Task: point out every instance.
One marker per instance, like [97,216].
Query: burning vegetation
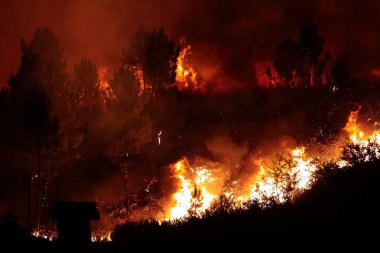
[159,141]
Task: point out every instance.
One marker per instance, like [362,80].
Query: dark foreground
[340,212]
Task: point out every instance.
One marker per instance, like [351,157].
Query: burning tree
[153,56]
[87,93]
[134,130]
[299,62]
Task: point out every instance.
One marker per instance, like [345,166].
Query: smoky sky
[231,34]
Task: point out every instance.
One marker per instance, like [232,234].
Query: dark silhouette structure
[74,221]
[9,229]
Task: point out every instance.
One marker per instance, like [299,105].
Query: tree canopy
[155,54]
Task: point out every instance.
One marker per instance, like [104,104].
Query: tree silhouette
[42,64]
[155,55]
[126,88]
[340,74]
[134,130]
[38,121]
[285,60]
[311,47]
[298,62]
[35,91]
[88,97]
[310,43]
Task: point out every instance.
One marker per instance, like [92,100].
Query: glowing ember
[51,234]
[138,72]
[46,234]
[101,236]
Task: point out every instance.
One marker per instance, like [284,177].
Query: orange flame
[193,194]
[199,186]
[352,127]
[357,134]
[186,77]
[104,85]
[196,191]
[272,182]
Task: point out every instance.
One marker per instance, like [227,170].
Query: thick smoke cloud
[232,34]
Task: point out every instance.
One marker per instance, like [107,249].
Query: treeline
[56,123]
[307,63]
[48,114]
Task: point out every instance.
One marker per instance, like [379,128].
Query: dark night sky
[100,29]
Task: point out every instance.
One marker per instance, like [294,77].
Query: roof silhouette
[74,210]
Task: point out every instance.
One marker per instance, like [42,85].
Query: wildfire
[276,181]
[46,234]
[282,182]
[51,234]
[200,184]
[352,127]
[186,77]
[101,236]
[104,85]
[196,192]
[193,195]
[367,144]
[356,134]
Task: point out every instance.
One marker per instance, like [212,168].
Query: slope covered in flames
[278,180]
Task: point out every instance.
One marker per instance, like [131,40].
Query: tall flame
[368,143]
[186,77]
[352,127]
[193,194]
[104,85]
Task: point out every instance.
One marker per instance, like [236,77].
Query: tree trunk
[29,185]
[125,179]
[45,183]
[38,190]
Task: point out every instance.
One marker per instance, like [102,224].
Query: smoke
[228,37]
[225,151]
[231,41]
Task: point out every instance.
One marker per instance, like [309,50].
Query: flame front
[193,195]
[196,192]
[297,176]
[275,182]
[199,183]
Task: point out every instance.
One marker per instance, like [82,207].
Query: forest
[173,158]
